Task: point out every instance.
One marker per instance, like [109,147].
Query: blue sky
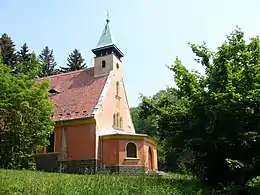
[151,33]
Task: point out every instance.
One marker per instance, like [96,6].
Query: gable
[114,103]
[78,95]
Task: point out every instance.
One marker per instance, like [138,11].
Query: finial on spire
[107,20]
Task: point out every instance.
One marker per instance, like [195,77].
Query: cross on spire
[107,17]
[106,42]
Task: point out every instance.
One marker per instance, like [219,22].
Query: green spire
[106,37]
[106,44]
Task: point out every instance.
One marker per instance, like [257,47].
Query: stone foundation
[49,162]
[132,170]
[125,170]
[78,166]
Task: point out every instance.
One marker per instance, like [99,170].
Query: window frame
[136,150]
[114,119]
[120,122]
[103,64]
[117,120]
[117,88]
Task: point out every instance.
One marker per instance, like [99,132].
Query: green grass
[37,183]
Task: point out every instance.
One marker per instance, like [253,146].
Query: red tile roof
[78,93]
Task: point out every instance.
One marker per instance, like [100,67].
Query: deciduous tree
[148,124]
[217,119]
[25,117]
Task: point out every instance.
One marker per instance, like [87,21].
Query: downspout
[63,149]
[63,143]
[101,152]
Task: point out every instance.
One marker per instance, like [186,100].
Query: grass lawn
[37,183]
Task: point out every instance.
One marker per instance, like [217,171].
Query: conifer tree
[47,62]
[8,53]
[75,62]
[23,55]
[26,62]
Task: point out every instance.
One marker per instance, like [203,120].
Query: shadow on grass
[186,186]
[183,185]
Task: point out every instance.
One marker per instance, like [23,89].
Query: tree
[25,61]
[75,62]
[217,119]
[25,117]
[30,68]
[149,125]
[8,53]
[48,63]
[23,55]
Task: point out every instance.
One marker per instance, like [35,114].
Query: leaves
[25,117]
[217,117]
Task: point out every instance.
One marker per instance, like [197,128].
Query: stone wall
[49,162]
[126,170]
[131,170]
[78,166]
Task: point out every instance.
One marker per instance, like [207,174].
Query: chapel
[93,125]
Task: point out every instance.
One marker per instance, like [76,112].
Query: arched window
[121,122]
[117,120]
[103,65]
[117,88]
[131,150]
[114,120]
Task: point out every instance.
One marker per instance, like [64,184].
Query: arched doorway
[150,159]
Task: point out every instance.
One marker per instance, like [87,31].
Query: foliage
[75,62]
[254,185]
[27,63]
[30,68]
[147,123]
[34,183]
[146,126]
[25,116]
[23,55]
[48,63]
[8,53]
[218,116]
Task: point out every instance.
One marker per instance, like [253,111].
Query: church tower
[107,54]
[115,112]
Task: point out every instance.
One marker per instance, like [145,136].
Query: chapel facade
[93,125]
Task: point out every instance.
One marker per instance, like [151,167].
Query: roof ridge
[66,73]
